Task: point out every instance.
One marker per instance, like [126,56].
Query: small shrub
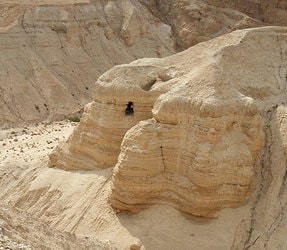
[74,118]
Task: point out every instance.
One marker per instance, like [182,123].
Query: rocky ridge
[180,147]
[55,50]
[200,149]
[51,55]
[202,121]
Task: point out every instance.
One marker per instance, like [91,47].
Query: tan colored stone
[51,55]
[200,151]
[96,141]
[197,149]
[52,51]
[220,107]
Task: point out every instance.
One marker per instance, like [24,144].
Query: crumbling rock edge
[196,138]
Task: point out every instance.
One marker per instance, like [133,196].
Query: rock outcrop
[198,129]
[208,131]
[199,20]
[53,52]
[96,142]
[51,55]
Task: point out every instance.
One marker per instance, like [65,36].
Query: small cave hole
[164,77]
[129,109]
[149,85]
[46,106]
[37,108]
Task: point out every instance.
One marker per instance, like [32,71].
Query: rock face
[199,151]
[51,55]
[96,141]
[208,131]
[53,51]
[199,20]
[196,137]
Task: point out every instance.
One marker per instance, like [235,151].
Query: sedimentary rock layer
[199,20]
[96,141]
[195,137]
[51,55]
[53,51]
[200,150]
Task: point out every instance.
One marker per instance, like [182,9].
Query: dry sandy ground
[42,2]
[28,144]
[23,155]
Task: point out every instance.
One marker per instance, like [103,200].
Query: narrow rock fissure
[162,158]
[265,172]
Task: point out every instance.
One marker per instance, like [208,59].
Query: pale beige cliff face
[51,55]
[212,135]
[96,141]
[52,51]
[199,124]
[200,150]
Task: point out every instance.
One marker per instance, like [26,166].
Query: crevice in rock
[264,174]
[148,86]
[162,158]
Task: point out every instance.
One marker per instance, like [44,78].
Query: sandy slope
[44,2]
[77,202]
[83,197]
[56,49]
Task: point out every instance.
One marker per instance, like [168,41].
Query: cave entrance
[130,108]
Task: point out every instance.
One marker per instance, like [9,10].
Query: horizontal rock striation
[200,151]
[197,129]
[53,52]
[51,55]
[96,142]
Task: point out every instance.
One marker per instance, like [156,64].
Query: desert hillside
[200,158]
[52,51]
[182,138]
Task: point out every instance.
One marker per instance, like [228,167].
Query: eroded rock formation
[198,130]
[96,141]
[51,55]
[52,52]
[199,20]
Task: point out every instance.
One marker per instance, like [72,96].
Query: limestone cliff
[96,141]
[53,51]
[207,132]
[199,20]
[199,121]
[51,55]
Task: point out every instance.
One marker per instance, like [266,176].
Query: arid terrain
[24,155]
[182,136]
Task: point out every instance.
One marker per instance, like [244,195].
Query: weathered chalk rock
[52,51]
[200,20]
[123,96]
[196,132]
[200,150]
[51,55]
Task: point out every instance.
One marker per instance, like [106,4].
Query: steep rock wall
[199,148]
[200,151]
[220,97]
[96,141]
[51,55]
[194,21]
